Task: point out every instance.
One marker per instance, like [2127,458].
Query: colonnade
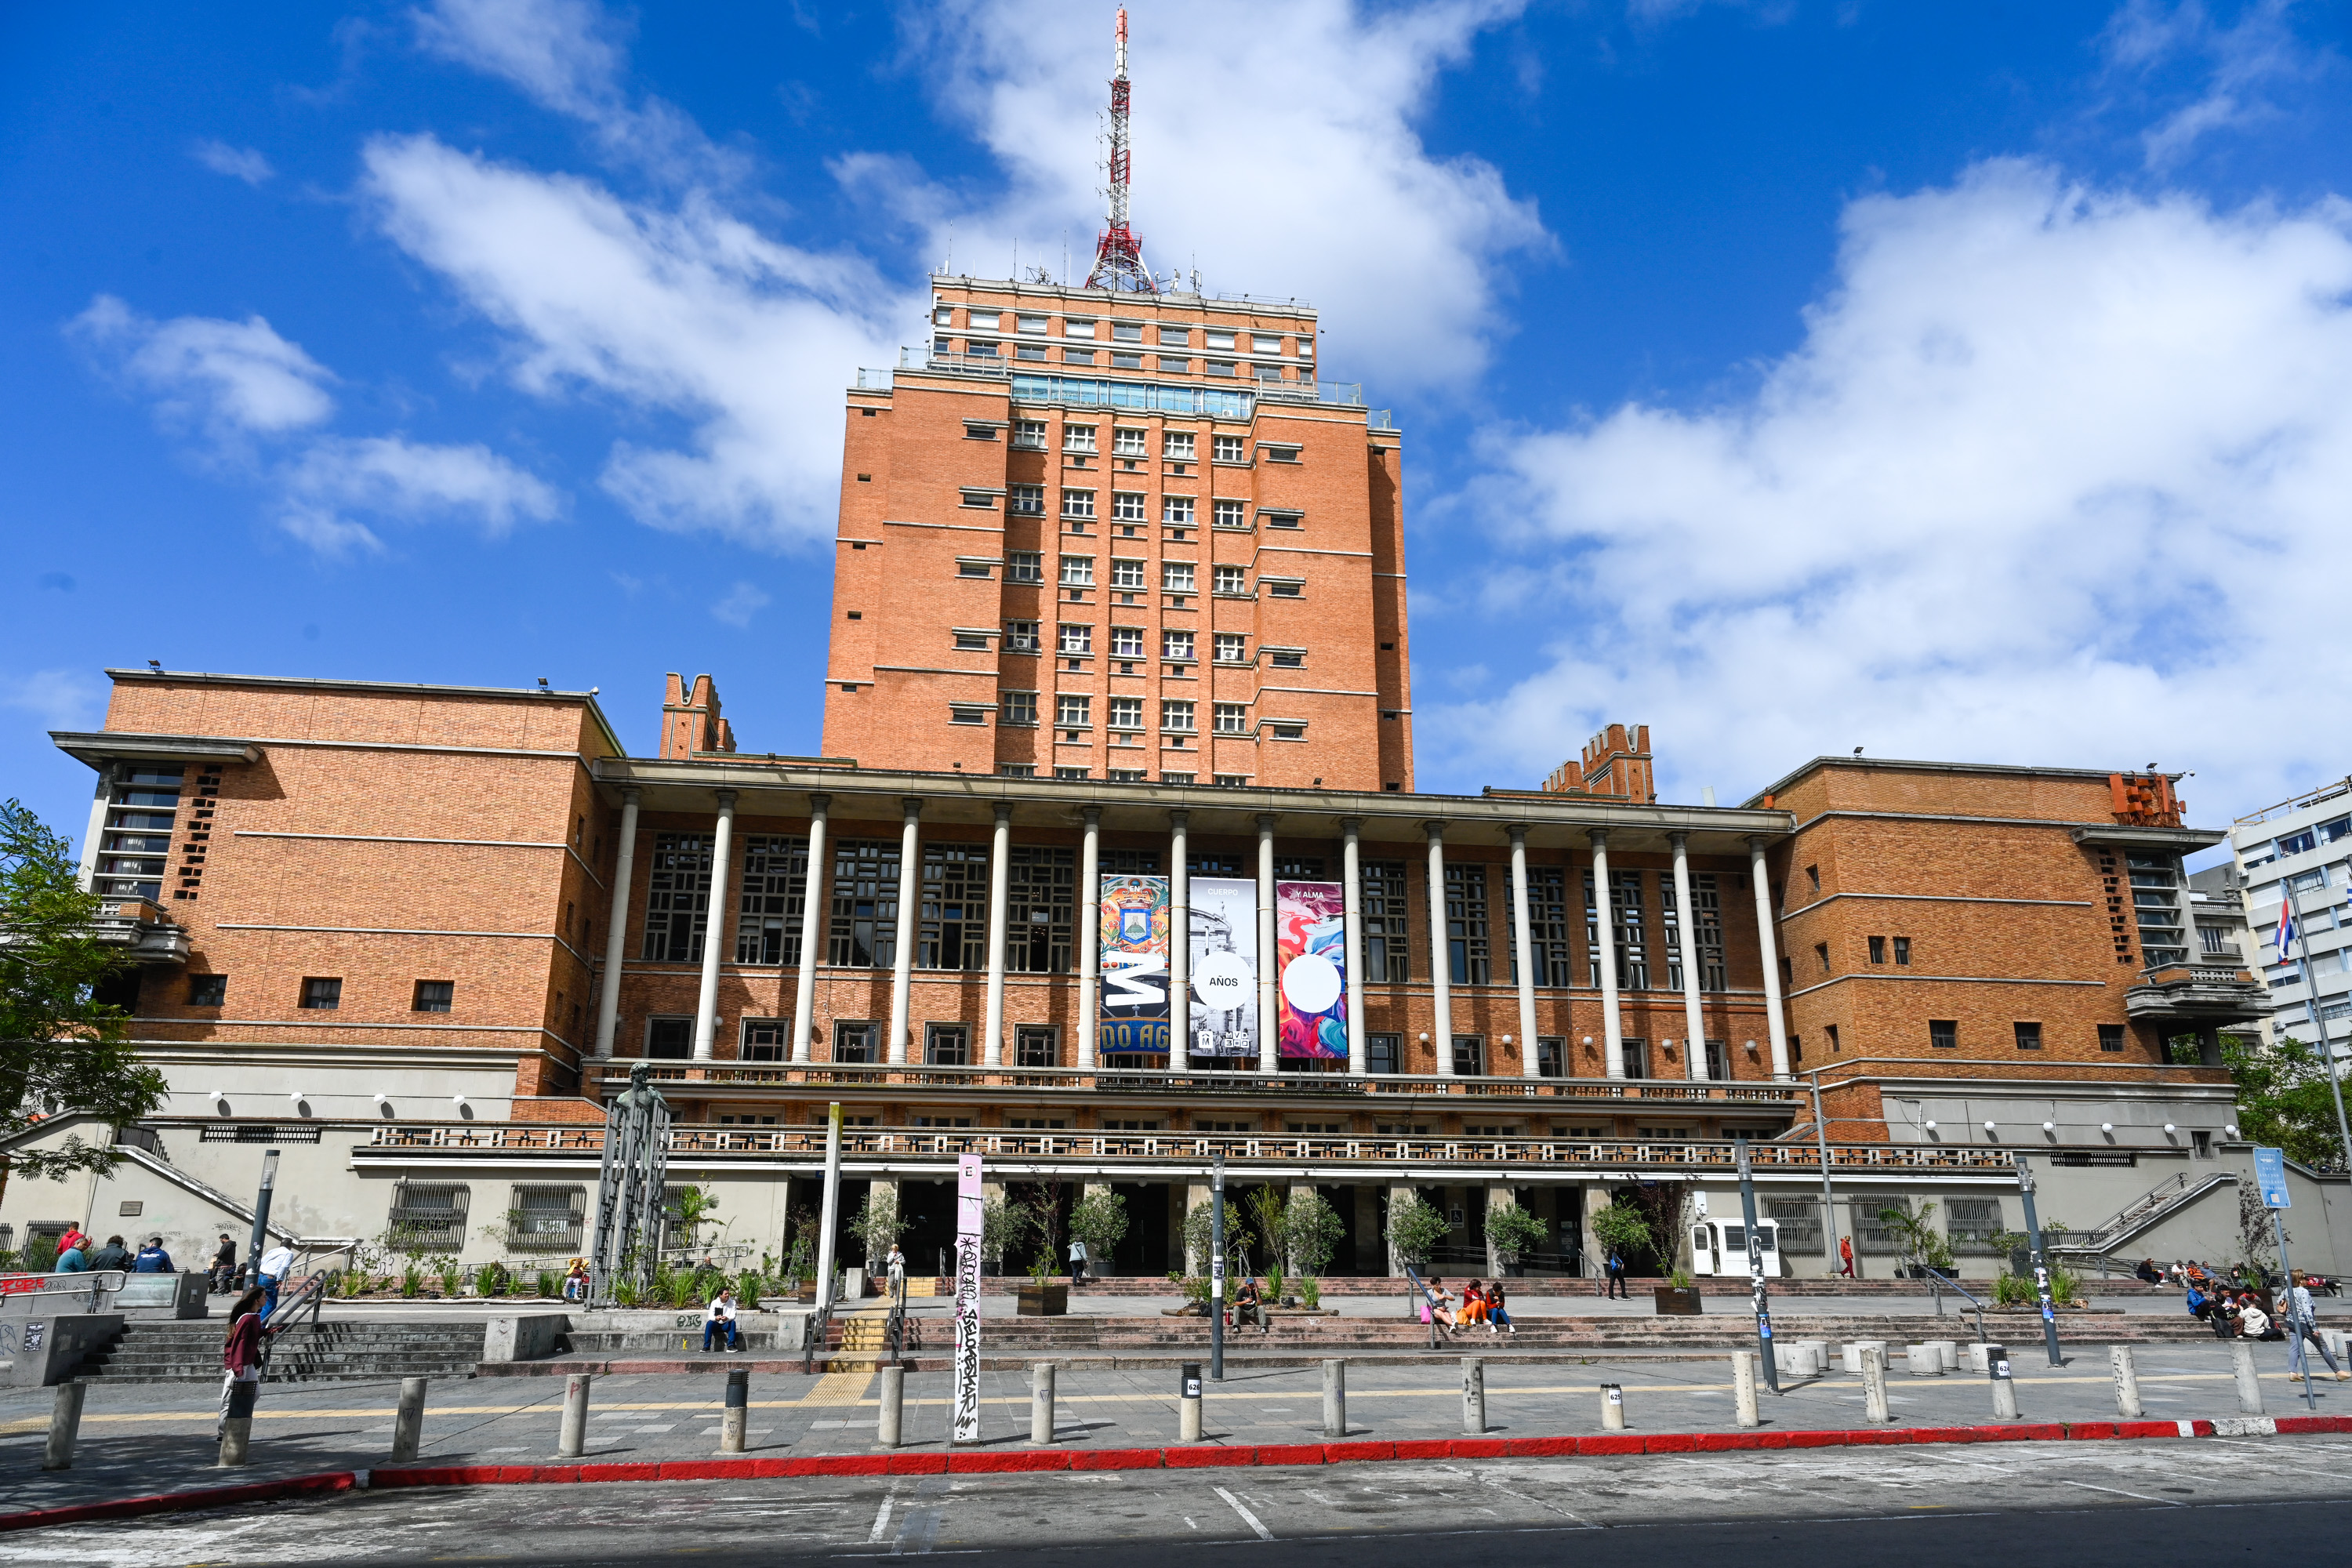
[1086,939]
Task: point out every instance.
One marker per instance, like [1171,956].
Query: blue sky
[1967,381]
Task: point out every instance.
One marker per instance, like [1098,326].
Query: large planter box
[1674,1303]
[1043,1301]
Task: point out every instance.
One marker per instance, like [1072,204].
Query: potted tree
[1312,1229]
[1099,1219]
[1512,1231]
[1039,1299]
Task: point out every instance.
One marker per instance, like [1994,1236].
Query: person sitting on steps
[1249,1304]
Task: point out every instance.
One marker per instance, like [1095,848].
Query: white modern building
[2301,848]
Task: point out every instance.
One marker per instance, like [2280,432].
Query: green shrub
[625,1292]
[411,1281]
[451,1274]
[1311,1292]
[1416,1228]
[1513,1231]
[492,1280]
[546,1283]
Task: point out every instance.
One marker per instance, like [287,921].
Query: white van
[1720,1247]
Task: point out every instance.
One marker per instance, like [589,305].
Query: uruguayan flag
[2284,939]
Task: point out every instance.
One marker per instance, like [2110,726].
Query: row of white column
[897,1044]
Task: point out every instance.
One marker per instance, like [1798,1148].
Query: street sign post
[2270,1175]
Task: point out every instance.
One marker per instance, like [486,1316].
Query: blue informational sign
[2270,1174]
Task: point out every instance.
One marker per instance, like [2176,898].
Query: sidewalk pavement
[140,1439]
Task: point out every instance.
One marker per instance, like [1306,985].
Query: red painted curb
[1347,1453]
[1290,1454]
[1032,1460]
[1625,1443]
[1114,1459]
[1534,1447]
[177,1502]
[1475,1448]
[919,1464]
[1206,1458]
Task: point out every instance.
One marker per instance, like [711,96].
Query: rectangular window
[1071,773]
[985,321]
[1469,1056]
[1547,927]
[1029,433]
[1176,511]
[1126,642]
[1177,336]
[141,808]
[1018,707]
[1126,714]
[1021,636]
[1076,638]
[1831,1031]
[1176,444]
[1799,1221]
[1078,356]
[432,996]
[1029,351]
[967,567]
[1388,943]
[1627,926]
[954,914]
[1126,573]
[1077,571]
[1878,949]
[1636,1056]
[1126,359]
[1126,441]
[1230,514]
[1229,781]
[1285,587]
[1124,775]
[1077,503]
[775,893]
[2029,1037]
[1071,712]
[669,1039]
[322,994]
[2214,941]
[1026,500]
[428,1216]
[1041,888]
[1127,506]
[1176,717]
[2111,1036]
[1036,1046]
[1943,1034]
[1231,717]
[1016,770]
[1873,1234]
[856,1041]
[1177,778]
[1231,448]
[1231,580]
[1078,437]
[1551,1057]
[207,990]
[765,1041]
[1384,1053]
[1903,952]
[677,899]
[2158,902]
[547,1219]
[1285,657]
[1232,649]
[1176,576]
[971,642]
[864,904]
[1973,1225]
[1713,973]
[1465,922]
[1176,644]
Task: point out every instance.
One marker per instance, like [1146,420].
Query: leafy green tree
[1512,1231]
[1311,1230]
[1001,1226]
[1623,1228]
[1416,1228]
[1098,1219]
[62,1051]
[877,1225]
[1196,1238]
[2284,1099]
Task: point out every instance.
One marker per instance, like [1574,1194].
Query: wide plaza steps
[323,1352]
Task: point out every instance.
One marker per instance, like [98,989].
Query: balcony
[2197,994]
[141,931]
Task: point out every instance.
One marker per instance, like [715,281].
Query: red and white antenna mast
[1119,254]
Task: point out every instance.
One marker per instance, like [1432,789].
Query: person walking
[2294,1306]
[718,1320]
[1845,1258]
[152,1259]
[276,1265]
[1078,1260]
[894,1272]
[245,1352]
[1616,1267]
[225,1266]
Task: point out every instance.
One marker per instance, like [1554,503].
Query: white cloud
[742,602]
[389,476]
[237,162]
[2057,476]
[684,309]
[233,378]
[1276,144]
[563,53]
[64,699]
[2244,60]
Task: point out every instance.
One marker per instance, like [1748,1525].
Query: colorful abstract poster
[1223,967]
[1310,937]
[1134,1014]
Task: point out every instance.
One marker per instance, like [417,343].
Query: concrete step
[189,1352]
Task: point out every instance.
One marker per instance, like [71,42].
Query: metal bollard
[1874,1384]
[2127,1404]
[1335,1399]
[408,1419]
[1613,1408]
[572,1441]
[1743,1389]
[1041,1403]
[236,1431]
[888,1428]
[1473,1395]
[1188,1402]
[65,1426]
[2250,1382]
[2004,1388]
[738,1411]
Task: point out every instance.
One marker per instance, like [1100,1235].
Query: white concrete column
[715,926]
[910,904]
[617,926]
[1522,947]
[1000,872]
[1269,1013]
[1089,937]
[1441,970]
[1352,877]
[95,838]
[1612,1028]
[1179,940]
[1686,924]
[813,920]
[1757,879]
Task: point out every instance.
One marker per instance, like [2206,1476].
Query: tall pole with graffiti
[971,1205]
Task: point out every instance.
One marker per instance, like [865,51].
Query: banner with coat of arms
[1133,1015]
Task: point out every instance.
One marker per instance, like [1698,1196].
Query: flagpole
[2318,1015]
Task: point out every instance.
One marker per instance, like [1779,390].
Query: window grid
[954,914]
[1041,889]
[677,899]
[774,896]
[1388,940]
[1466,923]
[864,904]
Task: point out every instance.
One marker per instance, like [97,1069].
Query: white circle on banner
[1224,979]
[1311,983]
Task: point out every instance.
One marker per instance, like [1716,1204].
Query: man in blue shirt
[152,1259]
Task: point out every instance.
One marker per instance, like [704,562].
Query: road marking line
[1248,1517]
[882,1518]
[2169,1502]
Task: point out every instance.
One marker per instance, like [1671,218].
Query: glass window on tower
[2157,891]
[142,807]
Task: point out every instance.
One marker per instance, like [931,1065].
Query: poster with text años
[1224,956]
[1134,1014]
[1310,934]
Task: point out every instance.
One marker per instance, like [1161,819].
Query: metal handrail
[96,1287]
[1936,1279]
[893,1332]
[309,1296]
[1414,1278]
[820,1322]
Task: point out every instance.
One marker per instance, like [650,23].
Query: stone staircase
[320,1352]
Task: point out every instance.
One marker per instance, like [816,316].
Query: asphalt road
[2206,1501]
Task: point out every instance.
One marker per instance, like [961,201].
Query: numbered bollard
[1743,1389]
[572,1441]
[1874,1382]
[236,1430]
[2127,1404]
[2004,1384]
[1335,1399]
[1613,1408]
[1474,1396]
[890,1428]
[2250,1382]
[65,1427]
[408,1419]
[1041,1403]
[1188,1402]
[737,1414]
